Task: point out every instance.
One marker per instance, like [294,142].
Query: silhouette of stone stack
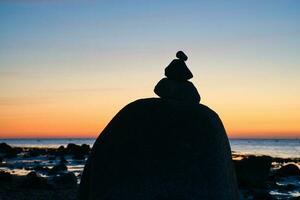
[176,86]
[162,148]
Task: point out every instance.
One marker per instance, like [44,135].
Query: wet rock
[36,152]
[65,180]
[5,176]
[285,188]
[75,149]
[153,149]
[253,170]
[41,168]
[85,148]
[7,151]
[60,151]
[288,170]
[34,181]
[58,169]
[176,90]
[63,160]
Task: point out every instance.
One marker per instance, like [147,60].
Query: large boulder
[161,149]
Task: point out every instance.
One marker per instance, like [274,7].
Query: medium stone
[177,90]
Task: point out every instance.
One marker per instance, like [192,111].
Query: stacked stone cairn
[176,85]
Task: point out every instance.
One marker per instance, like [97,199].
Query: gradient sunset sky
[67,67]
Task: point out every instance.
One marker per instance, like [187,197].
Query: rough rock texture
[161,149]
[182,91]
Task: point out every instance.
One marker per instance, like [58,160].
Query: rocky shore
[48,173]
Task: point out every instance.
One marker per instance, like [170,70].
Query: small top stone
[181,56]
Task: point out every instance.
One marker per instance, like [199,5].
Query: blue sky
[243,52]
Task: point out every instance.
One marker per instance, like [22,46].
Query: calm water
[273,147]
[277,148]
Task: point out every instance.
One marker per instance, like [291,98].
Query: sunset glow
[66,69]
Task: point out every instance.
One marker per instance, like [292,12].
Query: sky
[67,67]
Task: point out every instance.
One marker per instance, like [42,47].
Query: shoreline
[55,173]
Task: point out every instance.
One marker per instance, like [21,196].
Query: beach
[51,168]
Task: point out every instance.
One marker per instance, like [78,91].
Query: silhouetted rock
[78,150]
[158,149]
[41,168]
[36,152]
[177,70]
[60,151]
[65,180]
[253,171]
[288,170]
[34,181]
[85,148]
[58,168]
[63,160]
[177,90]
[7,151]
[5,176]
[181,56]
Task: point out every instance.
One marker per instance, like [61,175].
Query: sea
[22,165]
[284,148]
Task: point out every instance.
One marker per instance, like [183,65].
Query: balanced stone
[177,90]
[177,70]
[153,149]
[181,55]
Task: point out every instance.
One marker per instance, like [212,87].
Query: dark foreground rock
[253,170]
[288,170]
[7,151]
[160,149]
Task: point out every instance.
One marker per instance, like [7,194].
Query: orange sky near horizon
[66,69]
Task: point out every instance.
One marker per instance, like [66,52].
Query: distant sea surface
[285,148]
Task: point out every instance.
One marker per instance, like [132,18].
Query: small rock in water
[288,170]
[181,55]
[58,168]
[63,160]
[7,150]
[253,171]
[41,168]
